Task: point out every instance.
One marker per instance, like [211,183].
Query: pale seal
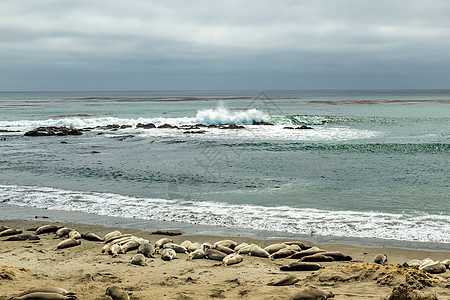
[380,259]
[282,253]
[138,259]
[74,235]
[54,290]
[68,243]
[302,245]
[62,232]
[10,231]
[231,259]
[337,256]
[176,247]
[289,280]
[168,254]
[223,249]
[258,251]
[23,237]
[319,257]
[160,243]
[215,254]
[312,293]
[90,236]
[44,296]
[111,235]
[197,254]
[274,248]
[186,244]
[227,243]
[299,255]
[116,293]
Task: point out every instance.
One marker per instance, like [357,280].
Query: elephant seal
[337,256]
[223,249]
[176,247]
[301,266]
[48,228]
[116,293]
[299,255]
[111,235]
[138,259]
[319,257]
[54,290]
[214,254]
[3,228]
[246,249]
[44,296]
[197,254]
[160,243]
[114,250]
[312,293]
[258,251]
[90,236]
[289,280]
[227,243]
[380,259]
[274,248]
[147,250]
[62,232]
[74,235]
[10,231]
[116,237]
[240,246]
[130,245]
[231,259]
[194,246]
[68,243]
[23,237]
[168,254]
[302,245]
[282,253]
[186,244]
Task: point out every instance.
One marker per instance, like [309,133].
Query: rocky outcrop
[262,123]
[146,126]
[52,130]
[299,127]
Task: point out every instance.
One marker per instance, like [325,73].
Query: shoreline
[84,270]
[16,212]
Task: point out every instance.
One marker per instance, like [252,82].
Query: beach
[87,272]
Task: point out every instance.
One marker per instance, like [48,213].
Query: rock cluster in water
[53,130]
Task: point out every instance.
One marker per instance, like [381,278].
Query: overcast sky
[259,45]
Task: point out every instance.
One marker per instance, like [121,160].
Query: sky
[128,45]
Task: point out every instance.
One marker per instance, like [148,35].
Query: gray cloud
[223,44]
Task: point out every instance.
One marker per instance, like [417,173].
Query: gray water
[375,164]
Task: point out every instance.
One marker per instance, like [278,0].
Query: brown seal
[138,259]
[338,256]
[10,231]
[380,259]
[90,236]
[311,292]
[23,237]
[54,290]
[44,296]
[299,255]
[289,280]
[317,258]
[301,266]
[116,293]
[282,253]
[68,243]
[62,232]
[147,250]
[48,228]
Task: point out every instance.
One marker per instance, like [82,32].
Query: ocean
[370,165]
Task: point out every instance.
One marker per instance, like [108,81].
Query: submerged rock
[53,130]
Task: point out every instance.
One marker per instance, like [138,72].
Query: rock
[231,126]
[52,130]
[167,126]
[261,123]
[146,126]
[195,131]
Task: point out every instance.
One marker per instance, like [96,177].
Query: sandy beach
[87,272]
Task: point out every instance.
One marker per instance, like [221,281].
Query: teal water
[375,164]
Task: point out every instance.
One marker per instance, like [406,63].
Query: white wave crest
[403,227]
[222,115]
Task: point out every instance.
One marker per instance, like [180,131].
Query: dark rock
[195,131]
[231,126]
[262,123]
[300,127]
[49,131]
[145,126]
[167,126]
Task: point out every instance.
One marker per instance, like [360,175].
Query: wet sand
[85,270]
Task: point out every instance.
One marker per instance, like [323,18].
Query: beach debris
[147,250]
[63,232]
[68,243]
[8,273]
[380,259]
[10,231]
[116,293]
[50,290]
[138,259]
[301,266]
[74,234]
[48,228]
[160,243]
[312,293]
[232,259]
[90,236]
[214,254]
[169,233]
[168,254]
[23,237]
[406,293]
